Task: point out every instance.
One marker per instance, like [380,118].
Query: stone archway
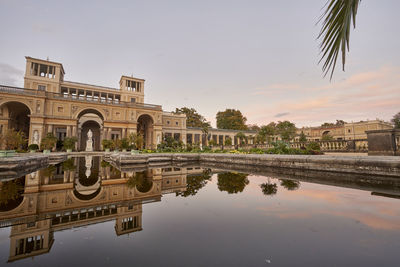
[16,115]
[90,120]
[326,133]
[145,127]
[95,127]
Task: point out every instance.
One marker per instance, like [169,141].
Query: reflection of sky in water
[316,225]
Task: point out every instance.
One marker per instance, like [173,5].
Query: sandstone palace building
[49,103]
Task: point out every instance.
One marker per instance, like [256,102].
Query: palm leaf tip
[335,32]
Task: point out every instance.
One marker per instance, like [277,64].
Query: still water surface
[85,212]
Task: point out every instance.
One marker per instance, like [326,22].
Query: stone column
[50,128]
[69,131]
[74,133]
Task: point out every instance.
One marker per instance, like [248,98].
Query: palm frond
[335,32]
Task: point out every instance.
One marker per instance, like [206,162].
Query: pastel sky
[257,56]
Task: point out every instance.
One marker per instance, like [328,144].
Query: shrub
[206,149]
[189,147]
[12,139]
[107,144]
[69,142]
[256,151]
[313,146]
[33,147]
[117,143]
[125,143]
[228,141]
[212,142]
[48,142]
[137,140]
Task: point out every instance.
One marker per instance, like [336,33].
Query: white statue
[89,142]
[158,139]
[36,137]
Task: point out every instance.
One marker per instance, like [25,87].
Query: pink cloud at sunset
[367,95]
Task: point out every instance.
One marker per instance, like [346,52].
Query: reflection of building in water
[61,197]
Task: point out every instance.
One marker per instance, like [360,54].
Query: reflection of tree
[114,172]
[49,171]
[268,188]
[232,182]
[69,165]
[290,185]
[105,164]
[195,183]
[10,191]
[140,181]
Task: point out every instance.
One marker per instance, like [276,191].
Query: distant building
[348,131]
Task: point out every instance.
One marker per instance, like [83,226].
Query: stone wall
[383,166]
[384,142]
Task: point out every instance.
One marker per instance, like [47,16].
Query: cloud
[367,95]
[278,115]
[10,75]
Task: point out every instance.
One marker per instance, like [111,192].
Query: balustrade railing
[88,98]
[326,146]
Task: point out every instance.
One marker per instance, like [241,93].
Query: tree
[260,139]
[137,140]
[48,142]
[396,120]
[205,129]
[228,141]
[232,182]
[335,32]
[242,137]
[286,129]
[253,127]
[69,142]
[231,119]
[340,122]
[327,137]
[193,118]
[267,131]
[303,137]
[12,139]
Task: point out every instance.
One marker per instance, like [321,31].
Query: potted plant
[117,144]
[69,143]
[107,144]
[10,141]
[33,148]
[136,140]
[125,145]
[48,143]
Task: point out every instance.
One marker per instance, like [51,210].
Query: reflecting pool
[86,212]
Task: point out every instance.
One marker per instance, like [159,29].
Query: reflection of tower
[129,219]
[31,239]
